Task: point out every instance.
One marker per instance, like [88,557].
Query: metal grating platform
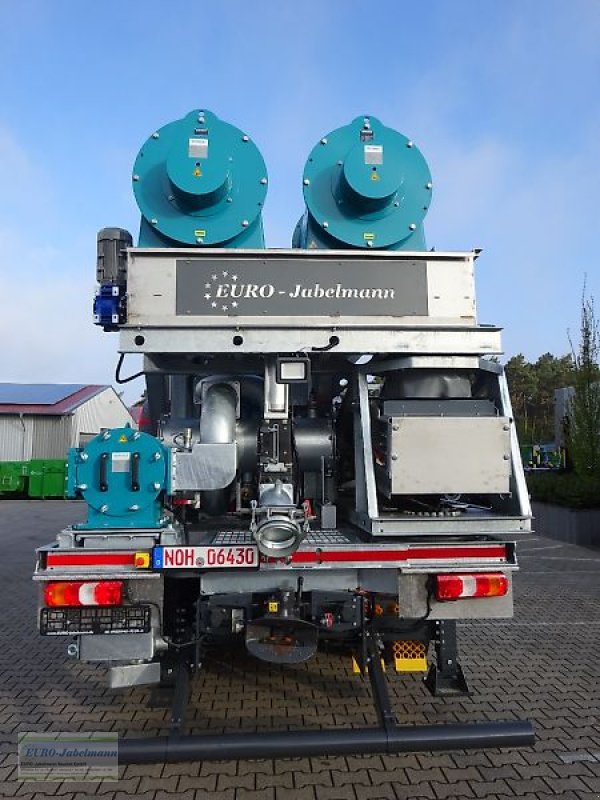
[232,537]
[314,538]
[319,538]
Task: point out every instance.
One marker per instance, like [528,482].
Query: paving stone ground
[543,665]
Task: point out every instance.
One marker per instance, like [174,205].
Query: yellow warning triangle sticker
[123,438]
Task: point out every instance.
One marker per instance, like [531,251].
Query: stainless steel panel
[380,335]
[207,466]
[449,455]
[133,675]
[121,647]
[464,525]
[427,285]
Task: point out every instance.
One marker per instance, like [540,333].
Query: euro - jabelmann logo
[68,756]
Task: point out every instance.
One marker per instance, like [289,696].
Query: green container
[13,476]
[47,477]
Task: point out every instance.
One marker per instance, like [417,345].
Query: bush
[565,489]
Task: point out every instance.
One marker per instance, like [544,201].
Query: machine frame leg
[446,676]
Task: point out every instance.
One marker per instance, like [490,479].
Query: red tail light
[455,587]
[83,593]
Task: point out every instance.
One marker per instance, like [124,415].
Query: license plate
[232,557]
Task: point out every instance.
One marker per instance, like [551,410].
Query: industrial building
[41,420]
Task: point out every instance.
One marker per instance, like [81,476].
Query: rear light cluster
[83,593]
[455,587]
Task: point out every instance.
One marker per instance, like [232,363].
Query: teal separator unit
[200,181]
[365,185]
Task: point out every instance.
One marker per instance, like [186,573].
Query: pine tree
[584,408]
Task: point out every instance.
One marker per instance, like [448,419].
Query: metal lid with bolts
[367,185]
[200,181]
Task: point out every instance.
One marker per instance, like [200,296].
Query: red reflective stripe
[411,554]
[89,559]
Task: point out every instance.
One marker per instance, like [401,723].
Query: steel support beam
[282,744]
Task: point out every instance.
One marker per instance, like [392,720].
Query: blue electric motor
[200,181]
[365,185]
[122,474]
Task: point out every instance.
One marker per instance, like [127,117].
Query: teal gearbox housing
[365,186]
[200,181]
[123,475]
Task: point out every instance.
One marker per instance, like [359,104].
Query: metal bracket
[445,677]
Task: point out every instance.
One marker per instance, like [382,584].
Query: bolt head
[428,185]
[199,240]
[369,244]
[245,223]
[412,226]
[325,224]
[263,181]
[245,138]
[410,144]
[154,221]
[136,177]
[156,135]
[324,140]
[306,182]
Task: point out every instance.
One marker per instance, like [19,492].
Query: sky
[503,99]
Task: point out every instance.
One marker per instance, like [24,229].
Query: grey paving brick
[207,783]
[487,789]
[247,781]
[383,792]
[353,777]
[241,793]
[417,776]
[284,780]
[332,793]
[394,776]
[452,790]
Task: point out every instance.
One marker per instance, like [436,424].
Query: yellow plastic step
[410,656]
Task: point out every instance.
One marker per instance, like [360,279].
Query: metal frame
[516,462]
[387,737]
[366,489]
[154,327]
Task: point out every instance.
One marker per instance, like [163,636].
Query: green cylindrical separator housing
[200,181]
[365,186]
